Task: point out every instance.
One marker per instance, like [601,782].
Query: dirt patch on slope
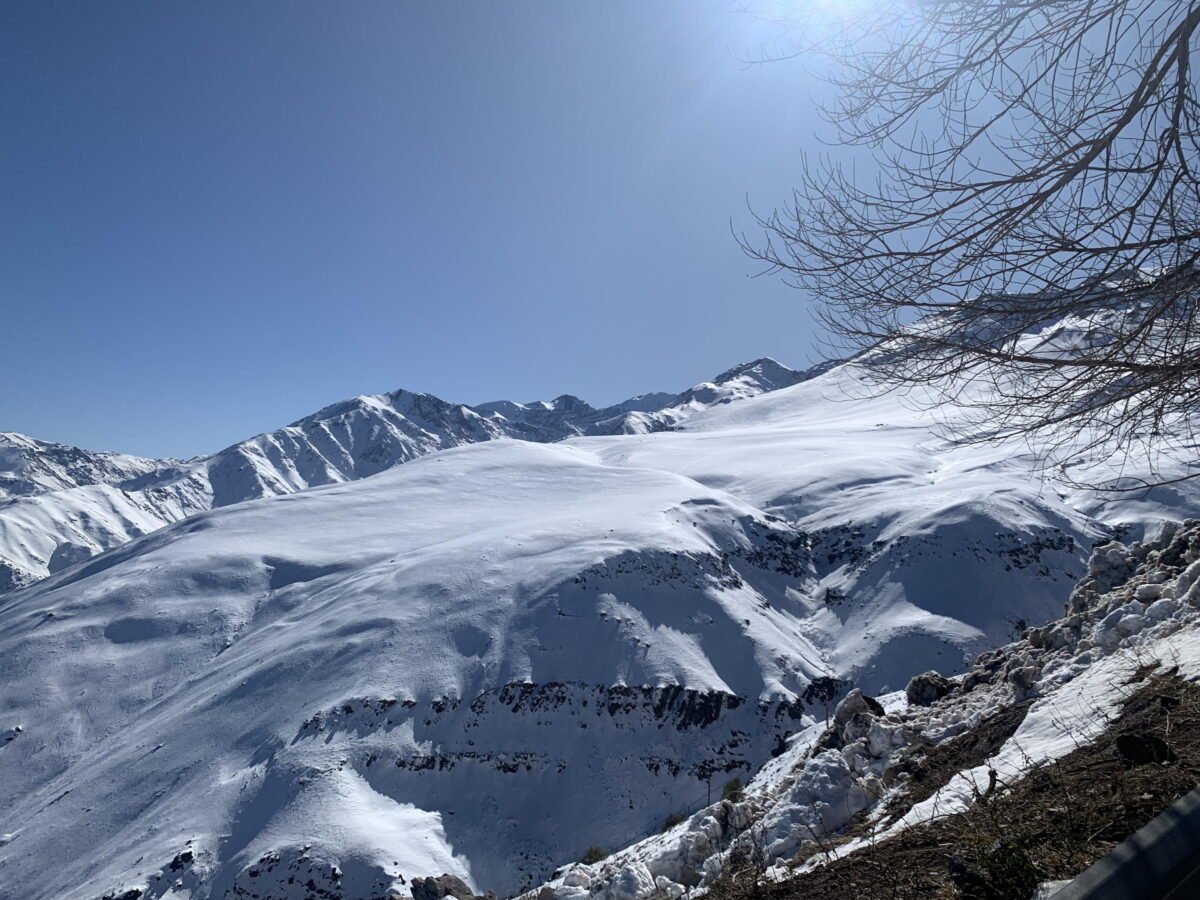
[930,772]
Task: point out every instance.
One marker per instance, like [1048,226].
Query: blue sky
[221,216]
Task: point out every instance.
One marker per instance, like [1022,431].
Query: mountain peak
[651,402]
[748,379]
[764,369]
[568,403]
[16,439]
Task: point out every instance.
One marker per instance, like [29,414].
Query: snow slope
[1136,612]
[923,551]
[488,659]
[59,504]
[446,642]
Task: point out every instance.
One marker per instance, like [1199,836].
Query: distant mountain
[645,402]
[29,466]
[739,383]
[60,505]
[544,421]
[566,416]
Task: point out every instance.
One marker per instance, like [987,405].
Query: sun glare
[799,10]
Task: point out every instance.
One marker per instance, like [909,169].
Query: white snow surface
[165,686]
[502,652]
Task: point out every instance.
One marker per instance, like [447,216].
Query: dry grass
[1052,824]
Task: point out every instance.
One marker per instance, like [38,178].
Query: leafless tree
[1026,240]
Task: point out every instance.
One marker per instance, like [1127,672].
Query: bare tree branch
[1029,243]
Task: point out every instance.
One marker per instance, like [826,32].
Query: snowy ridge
[29,466]
[568,416]
[65,504]
[739,383]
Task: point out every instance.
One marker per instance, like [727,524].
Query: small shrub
[593,855]
[999,873]
[732,790]
[823,690]
[671,821]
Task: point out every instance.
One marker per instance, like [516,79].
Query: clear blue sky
[220,216]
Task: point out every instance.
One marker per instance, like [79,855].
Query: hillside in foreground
[1023,771]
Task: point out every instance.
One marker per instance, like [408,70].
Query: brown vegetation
[1051,825]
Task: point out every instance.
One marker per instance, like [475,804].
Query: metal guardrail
[1159,862]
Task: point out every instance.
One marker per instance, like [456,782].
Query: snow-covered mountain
[60,505]
[567,416]
[29,466]
[487,660]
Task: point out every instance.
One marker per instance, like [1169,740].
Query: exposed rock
[1023,678]
[854,703]
[442,886]
[1162,609]
[1148,593]
[927,688]
[852,720]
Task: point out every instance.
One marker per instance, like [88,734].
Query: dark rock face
[855,703]
[638,752]
[852,719]
[442,886]
[278,875]
[927,688]
[1144,750]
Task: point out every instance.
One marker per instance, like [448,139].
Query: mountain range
[403,638]
[61,504]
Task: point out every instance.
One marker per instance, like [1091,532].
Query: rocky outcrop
[927,688]
[443,886]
